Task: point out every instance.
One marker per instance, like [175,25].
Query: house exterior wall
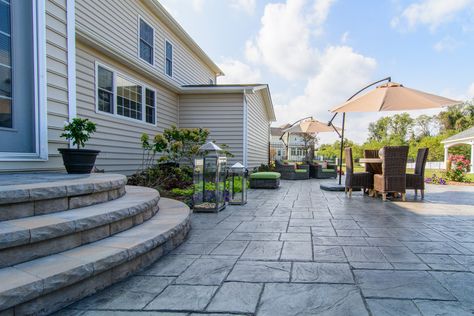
[56,89]
[296,148]
[258,130]
[118,138]
[222,114]
[116,23]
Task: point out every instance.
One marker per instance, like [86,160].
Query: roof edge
[171,22]
[237,88]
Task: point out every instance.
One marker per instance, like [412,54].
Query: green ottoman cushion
[329,170]
[265,175]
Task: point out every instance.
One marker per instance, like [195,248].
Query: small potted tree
[77,160]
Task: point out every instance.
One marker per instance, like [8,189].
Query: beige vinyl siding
[115,22]
[118,138]
[222,114]
[56,90]
[258,131]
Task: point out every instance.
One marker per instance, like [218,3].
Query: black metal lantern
[238,184]
[209,179]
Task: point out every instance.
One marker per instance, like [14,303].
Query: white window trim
[114,101]
[39,77]
[138,41]
[172,59]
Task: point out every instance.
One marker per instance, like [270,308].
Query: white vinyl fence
[436,165]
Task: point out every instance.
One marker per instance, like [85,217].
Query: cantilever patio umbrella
[309,126]
[389,96]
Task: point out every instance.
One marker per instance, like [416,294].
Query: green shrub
[79,131]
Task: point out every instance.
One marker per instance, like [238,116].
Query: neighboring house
[278,146]
[126,65]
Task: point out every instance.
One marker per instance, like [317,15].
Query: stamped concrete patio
[302,251]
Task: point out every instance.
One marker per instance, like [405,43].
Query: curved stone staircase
[64,239]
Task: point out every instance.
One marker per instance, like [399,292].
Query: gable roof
[234,88]
[463,136]
[157,8]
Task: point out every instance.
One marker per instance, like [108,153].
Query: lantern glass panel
[238,186]
[221,178]
[198,180]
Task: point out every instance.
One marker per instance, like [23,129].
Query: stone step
[45,285]
[38,194]
[33,237]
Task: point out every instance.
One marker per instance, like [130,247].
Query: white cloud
[198,5]
[470,91]
[342,72]
[238,72]
[447,43]
[248,6]
[345,37]
[431,13]
[283,42]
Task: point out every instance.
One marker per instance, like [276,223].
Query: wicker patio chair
[394,167]
[364,180]
[370,153]
[416,181]
[289,172]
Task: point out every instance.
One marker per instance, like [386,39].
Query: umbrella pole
[342,147]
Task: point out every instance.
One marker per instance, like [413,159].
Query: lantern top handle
[210,146]
[237,165]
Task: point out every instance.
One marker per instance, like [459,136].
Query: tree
[423,125]
[309,141]
[378,131]
[457,118]
[399,127]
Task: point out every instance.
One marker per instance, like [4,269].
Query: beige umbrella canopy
[310,126]
[393,96]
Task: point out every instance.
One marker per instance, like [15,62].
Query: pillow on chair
[324,165]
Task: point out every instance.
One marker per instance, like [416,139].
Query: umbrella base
[334,187]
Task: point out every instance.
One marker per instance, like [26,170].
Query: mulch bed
[460,183]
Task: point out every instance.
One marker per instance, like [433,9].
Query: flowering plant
[460,165]
[435,180]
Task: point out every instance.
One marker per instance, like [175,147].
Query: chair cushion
[265,175]
[300,170]
[328,170]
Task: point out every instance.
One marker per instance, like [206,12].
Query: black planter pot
[78,160]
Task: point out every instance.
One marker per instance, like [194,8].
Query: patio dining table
[376,163]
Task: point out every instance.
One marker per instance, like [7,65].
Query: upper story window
[146,42]
[121,96]
[169,59]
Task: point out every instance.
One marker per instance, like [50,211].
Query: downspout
[71,60]
[245,131]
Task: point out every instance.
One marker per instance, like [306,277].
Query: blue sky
[315,53]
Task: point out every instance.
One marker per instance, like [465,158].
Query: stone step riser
[58,291]
[42,207]
[39,199]
[19,254]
